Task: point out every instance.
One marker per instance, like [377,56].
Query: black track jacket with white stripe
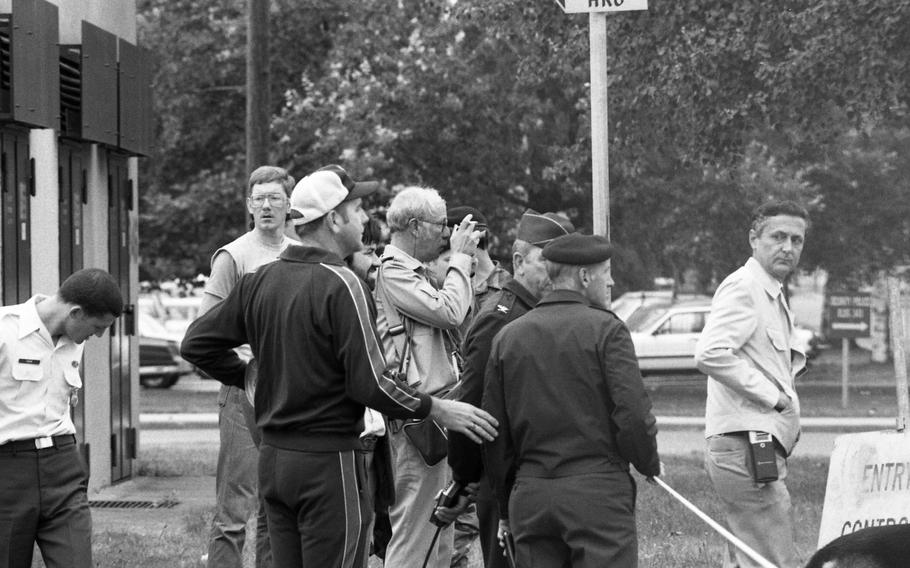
[311,324]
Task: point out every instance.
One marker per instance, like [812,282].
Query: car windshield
[643,318]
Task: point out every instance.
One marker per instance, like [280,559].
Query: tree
[714,107]
[864,207]
[191,203]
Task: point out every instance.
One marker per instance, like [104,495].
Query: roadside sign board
[587,6]
[868,484]
[849,315]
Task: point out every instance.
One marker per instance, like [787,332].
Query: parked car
[665,334]
[632,302]
[175,313]
[160,363]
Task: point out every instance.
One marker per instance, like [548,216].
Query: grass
[177,548]
[174,400]
[815,400]
[669,535]
[871,393]
[159,461]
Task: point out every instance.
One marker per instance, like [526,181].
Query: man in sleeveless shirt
[238,456]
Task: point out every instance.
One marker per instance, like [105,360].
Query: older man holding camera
[418,322]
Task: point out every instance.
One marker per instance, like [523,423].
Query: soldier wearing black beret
[564,383]
[515,299]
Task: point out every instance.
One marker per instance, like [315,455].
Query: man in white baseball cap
[324,190]
[310,323]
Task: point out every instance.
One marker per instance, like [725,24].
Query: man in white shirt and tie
[751,359]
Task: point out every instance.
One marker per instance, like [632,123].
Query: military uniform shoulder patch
[505,303]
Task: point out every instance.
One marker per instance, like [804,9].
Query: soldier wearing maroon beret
[564,383]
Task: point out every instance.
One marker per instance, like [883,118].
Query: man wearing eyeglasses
[428,317]
[236,495]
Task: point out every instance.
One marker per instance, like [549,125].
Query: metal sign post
[600,156]
[600,162]
[897,348]
[849,316]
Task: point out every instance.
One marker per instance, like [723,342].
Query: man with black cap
[563,381]
[487,276]
[310,323]
[516,299]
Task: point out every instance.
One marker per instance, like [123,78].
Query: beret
[540,228]
[578,249]
[454,215]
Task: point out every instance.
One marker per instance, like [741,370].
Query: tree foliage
[715,106]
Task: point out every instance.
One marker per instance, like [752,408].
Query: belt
[737,434]
[744,435]
[35,444]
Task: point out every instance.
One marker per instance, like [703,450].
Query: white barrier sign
[588,6]
[868,484]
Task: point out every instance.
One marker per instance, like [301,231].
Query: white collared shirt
[37,378]
[373,424]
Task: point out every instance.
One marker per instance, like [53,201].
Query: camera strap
[398,329]
[432,544]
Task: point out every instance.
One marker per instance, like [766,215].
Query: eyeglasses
[443,224]
[275,199]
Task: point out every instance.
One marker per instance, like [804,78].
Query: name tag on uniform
[30,361]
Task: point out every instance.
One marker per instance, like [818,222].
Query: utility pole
[258,109]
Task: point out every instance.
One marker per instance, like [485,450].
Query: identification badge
[30,361]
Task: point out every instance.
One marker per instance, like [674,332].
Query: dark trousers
[319,505]
[43,499]
[581,521]
[488,519]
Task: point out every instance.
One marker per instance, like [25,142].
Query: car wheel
[158,381]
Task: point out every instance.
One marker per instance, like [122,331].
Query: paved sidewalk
[210,420]
[188,495]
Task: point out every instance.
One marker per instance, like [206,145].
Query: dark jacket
[311,325]
[497,309]
[564,384]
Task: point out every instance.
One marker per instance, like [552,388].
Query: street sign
[587,6]
[849,315]
[597,37]
[868,484]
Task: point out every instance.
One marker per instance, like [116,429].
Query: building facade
[75,117]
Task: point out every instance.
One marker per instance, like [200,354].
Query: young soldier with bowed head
[310,323]
[42,478]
